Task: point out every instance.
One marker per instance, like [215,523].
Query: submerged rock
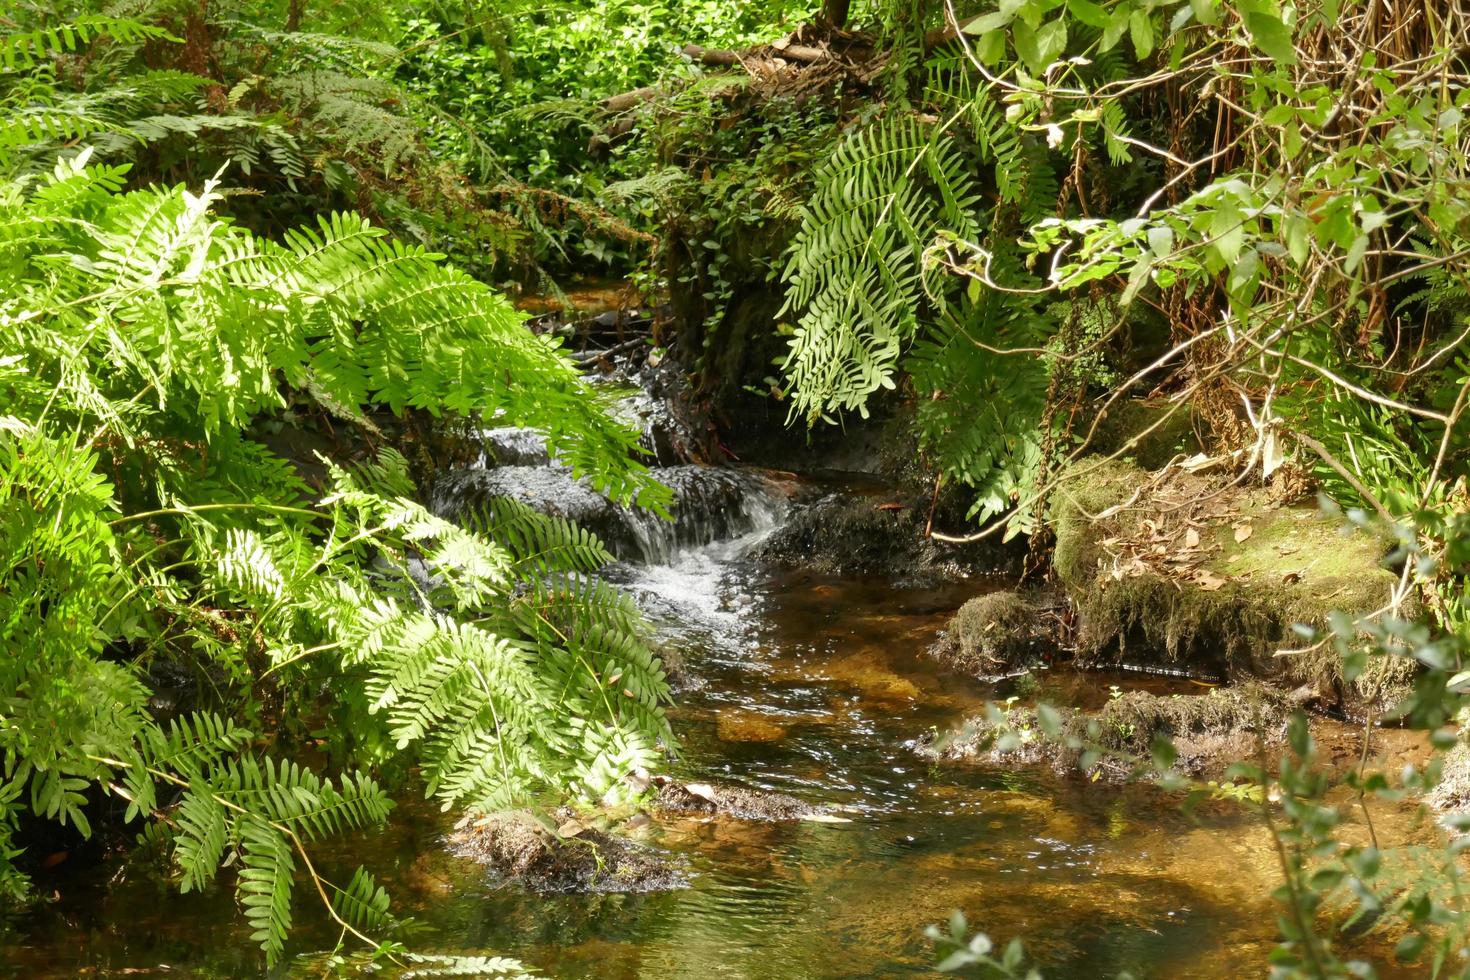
[991,634]
[1188,570]
[572,859]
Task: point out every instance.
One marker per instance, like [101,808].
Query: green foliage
[855,273]
[145,338]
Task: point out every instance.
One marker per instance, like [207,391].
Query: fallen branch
[627,100]
[726,58]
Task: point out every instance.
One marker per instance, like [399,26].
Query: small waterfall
[512,446]
[710,504]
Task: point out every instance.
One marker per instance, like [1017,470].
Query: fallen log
[725,58]
[627,100]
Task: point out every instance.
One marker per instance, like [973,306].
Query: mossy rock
[1452,794]
[1223,587]
[1131,723]
[1209,732]
[990,634]
[573,858]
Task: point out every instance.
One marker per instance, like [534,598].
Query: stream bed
[807,685]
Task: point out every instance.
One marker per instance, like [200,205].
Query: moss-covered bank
[1187,570]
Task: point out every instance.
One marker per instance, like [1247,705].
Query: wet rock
[731,801]
[513,446]
[571,859]
[991,635]
[849,534]
[710,503]
[1209,733]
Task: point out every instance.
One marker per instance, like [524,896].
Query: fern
[855,272]
[363,903]
[138,520]
[265,885]
[25,49]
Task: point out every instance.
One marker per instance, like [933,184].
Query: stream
[803,684]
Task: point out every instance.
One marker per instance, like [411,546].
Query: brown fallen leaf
[1191,538]
[1291,578]
[701,789]
[1243,531]
[570,829]
[1209,581]
[890,506]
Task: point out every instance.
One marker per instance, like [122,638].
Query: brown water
[813,687]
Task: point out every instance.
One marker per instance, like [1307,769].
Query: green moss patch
[1187,570]
[990,634]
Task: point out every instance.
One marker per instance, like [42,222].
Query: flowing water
[809,686]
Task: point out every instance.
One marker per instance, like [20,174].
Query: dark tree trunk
[834,13]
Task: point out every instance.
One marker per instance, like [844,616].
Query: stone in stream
[862,534]
[735,801]
[570,858]
[991,635]
[1209,732]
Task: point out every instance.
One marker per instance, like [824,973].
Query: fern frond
[855,273]
[363,903]
[24,50]
[264,885]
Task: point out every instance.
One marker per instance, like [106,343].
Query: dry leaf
[1191,538]
[1243,531]
[1210,582]
[1291,578]
[1233,558]
[569,829]
[824,818]
[704,790]
[890,506]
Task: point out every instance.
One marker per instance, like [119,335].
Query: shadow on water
[810,686]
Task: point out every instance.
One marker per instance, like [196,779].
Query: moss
[990,633]
[1452,794]
[519,848]
[1012,737]
[1209,732]
[1232,605]
[1089,488]
[1147,432]
[1131,722]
